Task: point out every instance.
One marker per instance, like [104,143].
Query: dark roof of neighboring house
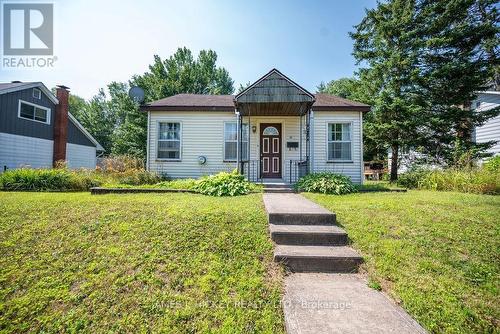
[201,102]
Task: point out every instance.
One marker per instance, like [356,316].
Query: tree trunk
[394,162]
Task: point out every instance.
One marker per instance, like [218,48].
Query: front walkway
[318,299]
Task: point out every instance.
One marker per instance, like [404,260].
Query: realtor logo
[28,29]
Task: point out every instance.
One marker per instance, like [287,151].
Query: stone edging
[102,191]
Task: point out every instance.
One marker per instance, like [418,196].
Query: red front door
[270,150]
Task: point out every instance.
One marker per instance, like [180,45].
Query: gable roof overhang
[17,86]
[274,94]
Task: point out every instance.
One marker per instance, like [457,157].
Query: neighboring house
[491,130]
[36,129]
[273,130]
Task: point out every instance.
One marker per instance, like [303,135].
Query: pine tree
[458,58]
[386,41]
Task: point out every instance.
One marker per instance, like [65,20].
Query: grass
[437,253]
[377,186]
[175,263]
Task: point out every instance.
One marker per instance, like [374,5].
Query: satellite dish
[137,94]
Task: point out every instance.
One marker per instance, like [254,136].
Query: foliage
[473,180]
[223,184]
[117,122]
[385,41]
[62,179]
[96,117]
[411,178]
[435,253]
[187,184]
[492,164]
[458,55]
[46,180]
[171,263]
[423,63]
[326,183]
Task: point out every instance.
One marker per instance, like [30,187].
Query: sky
[97,42]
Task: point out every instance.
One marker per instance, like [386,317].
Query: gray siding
[490,131]
[12,124]
[75,136]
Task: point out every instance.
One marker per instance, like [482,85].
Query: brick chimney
[61,124]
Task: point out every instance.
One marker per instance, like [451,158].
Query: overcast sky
[97,41]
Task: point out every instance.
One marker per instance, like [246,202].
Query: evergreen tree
[458,58]
[386,41]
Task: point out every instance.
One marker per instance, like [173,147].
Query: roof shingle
[182,102]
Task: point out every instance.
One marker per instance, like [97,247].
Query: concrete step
[293,209]
[277,185]
[280,190]
[314,235]
[323,259]
[302,218]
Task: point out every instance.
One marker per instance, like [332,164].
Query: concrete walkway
[341,303]
[317,298]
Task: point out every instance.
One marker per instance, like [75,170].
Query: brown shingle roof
[200,102]
[193,102]
[332,102]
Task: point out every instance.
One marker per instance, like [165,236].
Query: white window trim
[224,140]
[38,95]
[158,140]
[339,141]
[49,111]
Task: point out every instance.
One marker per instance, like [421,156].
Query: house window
[34,112]
[169,141]
[339,142]
[231,141]
[270,131]
[37,93]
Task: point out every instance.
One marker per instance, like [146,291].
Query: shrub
[223,184]
[326,183]
[120,163]
[178,184]
[412,178]
[45,180]
[61,179]
[476,180]
[492,164]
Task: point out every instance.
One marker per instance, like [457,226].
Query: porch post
[310,157]
[300,136]
[308,135]
[248,148]
[240,143]
[237,139]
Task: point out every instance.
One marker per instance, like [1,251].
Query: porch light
[254,128]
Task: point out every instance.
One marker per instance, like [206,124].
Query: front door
[270,150]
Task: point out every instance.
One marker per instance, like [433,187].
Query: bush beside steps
[326,183]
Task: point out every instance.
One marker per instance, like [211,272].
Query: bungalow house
[274,130]
[37,130]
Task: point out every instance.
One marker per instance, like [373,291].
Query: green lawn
[438,253]
[177,263]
